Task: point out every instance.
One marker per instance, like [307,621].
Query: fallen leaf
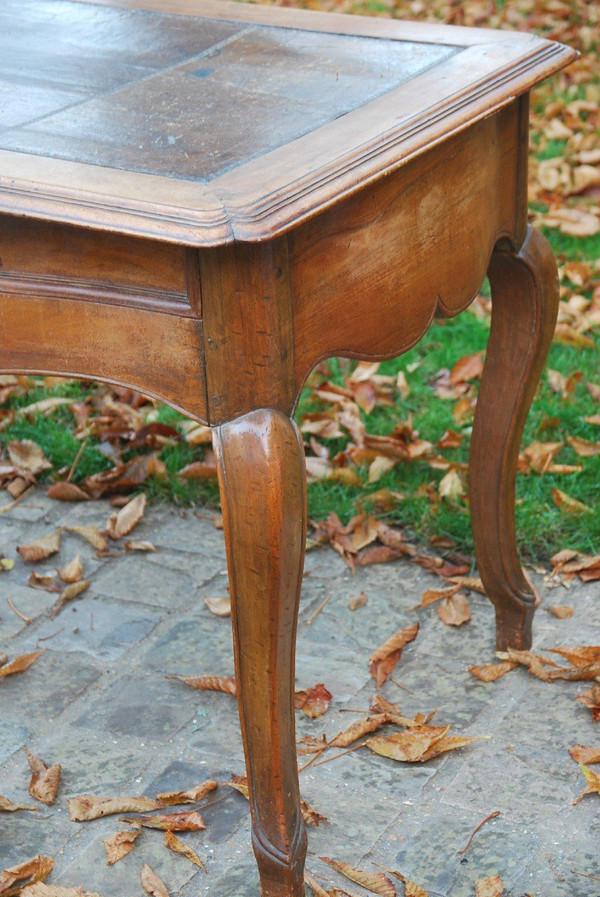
[591,699]
[43,581]
[584,447]
[356,601]
[178,846]
[186,821]
[69,593]
[310,815]
[579,655]
[91,806]
[582,754]
[13,880]
[122,522]
[42,890]
[562,611]
[199,470]
[454,610]
[153,883]
[92,535]
[385,658]
[469,367]
[313,702]
[220,606]
[19,664]
[72,572]
[565,503]
[138,546]
[120,844]
[63,491]
[450,743]
[489,887]
[315,887]
[40,549]
[430,596]
[451,486]
[8,806]
[592,779]
[376,882]
[409,746]
[28,456]
[209,683]
[489,672]
[192,795]
[45,779]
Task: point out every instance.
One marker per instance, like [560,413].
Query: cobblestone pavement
[97,701]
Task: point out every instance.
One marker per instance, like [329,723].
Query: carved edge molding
[280,209]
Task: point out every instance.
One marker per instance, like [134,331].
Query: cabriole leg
[262,480]
[524,309]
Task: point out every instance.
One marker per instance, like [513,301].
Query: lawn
[99,440]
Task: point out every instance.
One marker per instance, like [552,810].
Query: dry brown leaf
[562,611]
[364,726]
[585,754]
[411,889]
[489,672]
[430,596]
[120,844]
[186,821]
[92,535]
[220,605]
[451,486]
[209,683]
[44,581]
[385,658]
[138,546]
[45,779]
[379,466]
[454,610]
[310,815]
[91,806]
[13,880]
[28,456]
[592,779]
[376,882]
[199,470]
[19,664]
[72,572]
[409,746]
[42,890]
[66,492]
[579,655]
[315,887]
[153,883]
[190,796]
[8,806]
[469,367]
[489,887]
[584,447]
[450,743]
[358,600]
[313,702]
[40,549]
[69,593]
[591,699]
[122,522]
[567,503]
[178,846]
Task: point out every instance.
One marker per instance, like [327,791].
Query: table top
[203,121]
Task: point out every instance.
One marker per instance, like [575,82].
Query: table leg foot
[261,473]
[524,308]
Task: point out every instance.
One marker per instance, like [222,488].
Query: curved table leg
[262,478]
[524,308]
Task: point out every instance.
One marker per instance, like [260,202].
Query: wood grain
[261,473]
[524,309]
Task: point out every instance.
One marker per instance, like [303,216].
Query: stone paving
[97,701]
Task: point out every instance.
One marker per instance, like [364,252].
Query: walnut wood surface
[261,473]
[214,270]
[524,309]
[205,122]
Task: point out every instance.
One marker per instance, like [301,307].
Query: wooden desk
[201,200]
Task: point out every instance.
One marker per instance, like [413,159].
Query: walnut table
[201,200]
